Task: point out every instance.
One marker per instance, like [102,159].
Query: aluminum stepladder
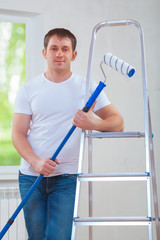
[149,176]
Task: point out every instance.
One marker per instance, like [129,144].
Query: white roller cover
[119,65]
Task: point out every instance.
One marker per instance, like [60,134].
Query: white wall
[126,94]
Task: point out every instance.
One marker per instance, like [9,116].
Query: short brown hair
[60,32]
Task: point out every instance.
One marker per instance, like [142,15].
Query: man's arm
[110,120]
[21,123]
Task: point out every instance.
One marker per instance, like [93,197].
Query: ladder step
[110,221]
[115,135]
[113,177]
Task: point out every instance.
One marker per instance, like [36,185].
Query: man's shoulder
[78,78]
[33,81]
[36,78]
[32,84]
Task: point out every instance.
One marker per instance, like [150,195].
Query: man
[44,110]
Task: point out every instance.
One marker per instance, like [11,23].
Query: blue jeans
[49,211]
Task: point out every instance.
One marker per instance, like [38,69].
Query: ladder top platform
[114,135]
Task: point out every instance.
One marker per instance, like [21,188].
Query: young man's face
[59,54]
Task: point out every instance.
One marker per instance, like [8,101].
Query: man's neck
[57,77]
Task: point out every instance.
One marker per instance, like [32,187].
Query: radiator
[9,201]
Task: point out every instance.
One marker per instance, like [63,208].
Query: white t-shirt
[53,106]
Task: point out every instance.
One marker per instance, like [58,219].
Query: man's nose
[59,53]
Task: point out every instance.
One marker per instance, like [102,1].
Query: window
[34,65]
[12,75]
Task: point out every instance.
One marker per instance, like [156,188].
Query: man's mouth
[59,61]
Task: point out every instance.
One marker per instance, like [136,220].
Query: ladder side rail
[77,194]
[145,99]
[146,125]
[149,209]
[90,184]
[153,177]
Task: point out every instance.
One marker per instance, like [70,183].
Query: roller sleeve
[119,65]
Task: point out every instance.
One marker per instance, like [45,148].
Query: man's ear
[74,55]
[44,53]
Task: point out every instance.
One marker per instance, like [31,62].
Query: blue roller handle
[21,205]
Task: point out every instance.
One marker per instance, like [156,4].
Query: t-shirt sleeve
[22,104]
[102,99]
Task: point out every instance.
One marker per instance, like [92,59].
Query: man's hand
[45,166]
[84,120]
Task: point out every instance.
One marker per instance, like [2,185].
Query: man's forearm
[111,124]
[24,148]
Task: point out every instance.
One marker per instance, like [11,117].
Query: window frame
[33,46]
